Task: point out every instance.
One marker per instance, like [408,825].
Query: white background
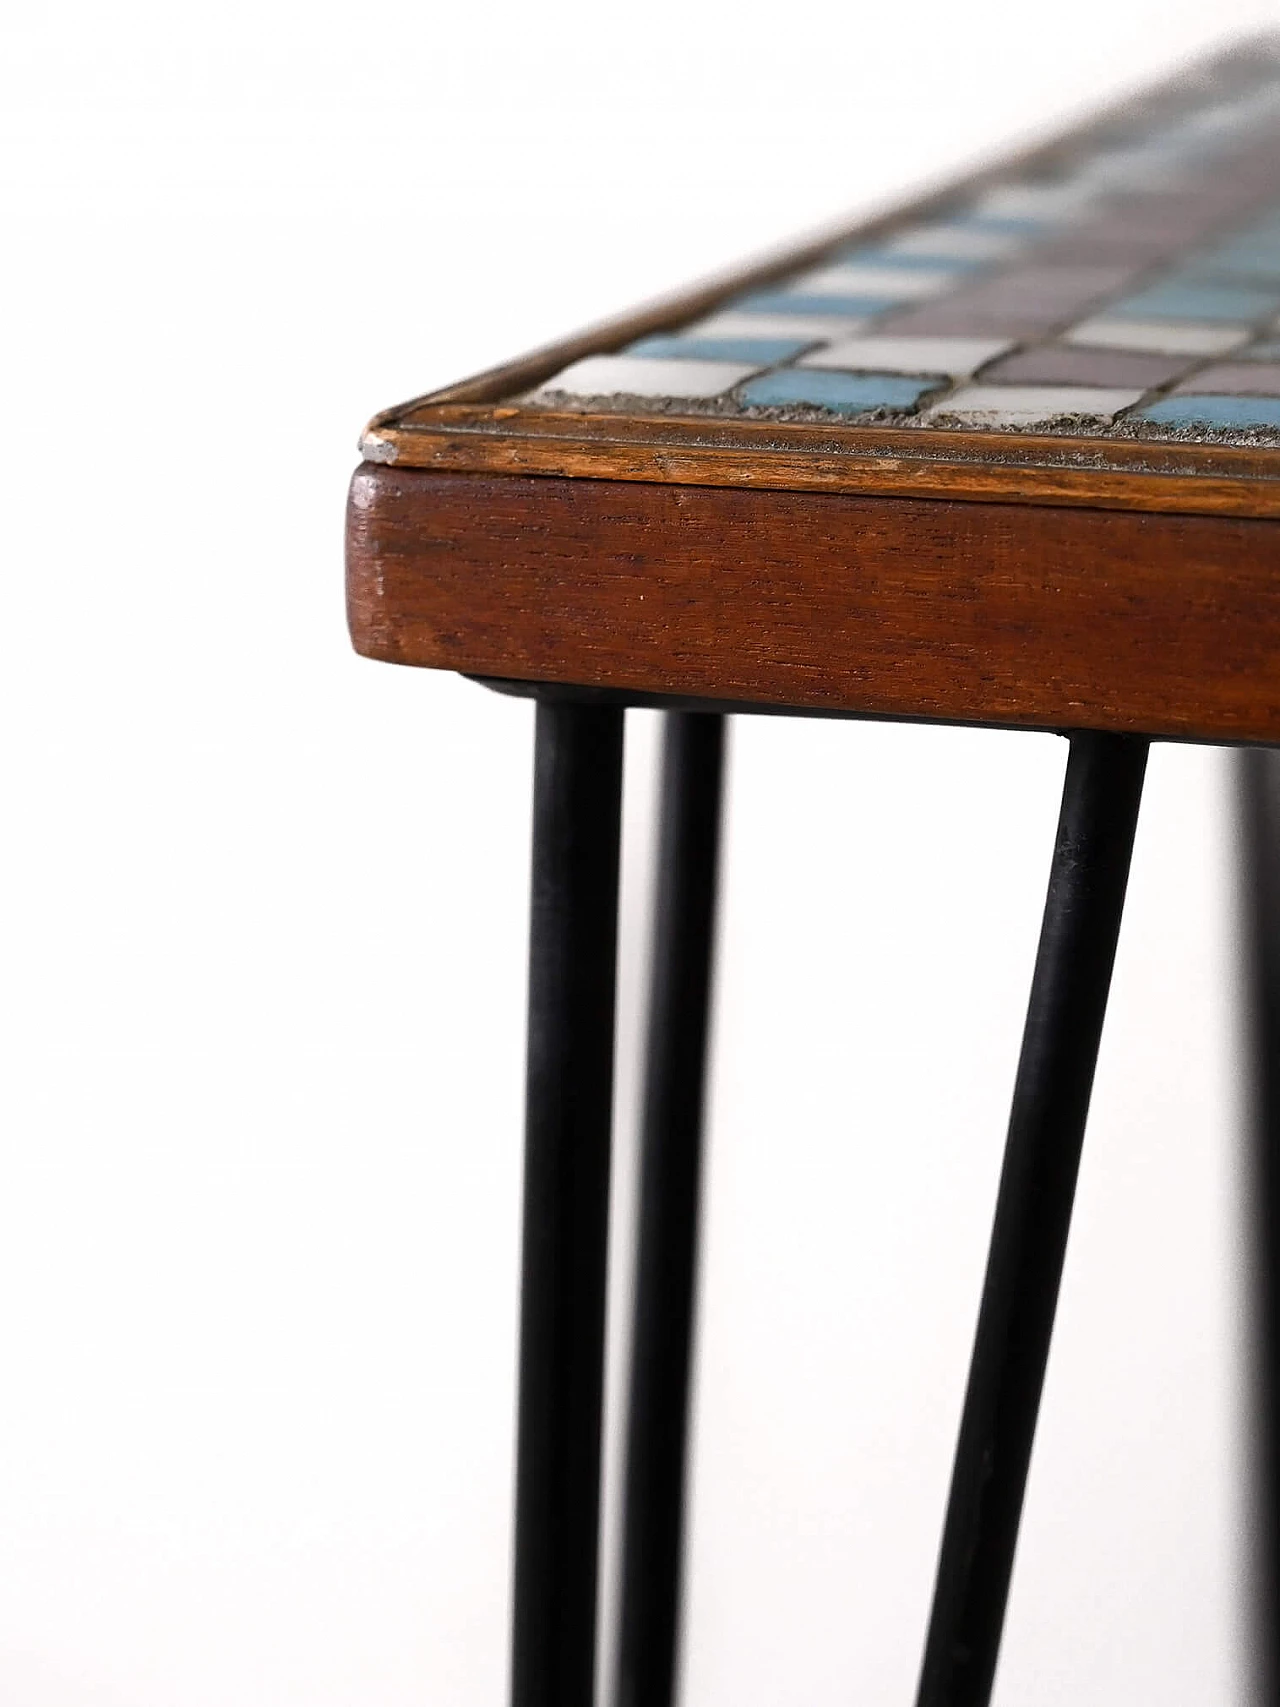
[264,909]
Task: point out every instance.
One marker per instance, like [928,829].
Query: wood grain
[1046,616]
[1008,468]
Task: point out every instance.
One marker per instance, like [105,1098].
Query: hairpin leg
[1259,774]
[1033,1213]
[573,950]
[671,1154]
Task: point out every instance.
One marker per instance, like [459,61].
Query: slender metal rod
[1259,776]
[572,962]
[670,1169]
[1033,1214]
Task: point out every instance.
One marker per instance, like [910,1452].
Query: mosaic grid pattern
[1132,290]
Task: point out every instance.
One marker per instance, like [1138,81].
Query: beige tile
[954,242]
[742,323]
[1031,405]
[905,284]
[1166,337]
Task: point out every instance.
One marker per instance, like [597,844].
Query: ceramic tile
[959,317]
[1072,364]
[682,346]
[1060,291]
[841,393]
[781,301]
[1028,225]
[876,255]
[1244,249]
[1100,245]
[1235,379]
[1260,272]
[943,242]
[732,324]
[901,284]
[1230,304]
[1133,168]
[638,376]
[955,357]
[1027,406]
[1163,337]
[1036,201]
[1145,264]
[1222,414]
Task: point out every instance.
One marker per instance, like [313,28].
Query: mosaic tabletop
[1118,288]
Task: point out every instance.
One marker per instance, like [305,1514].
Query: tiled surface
[1131,288]
[1238,414]
[647,376]
[899,284]
[1234,379]
[815,302]
[1166,337]
[735,323]
[1074,364]
[957,358]
[756,351]
[1025,406]
[841,393]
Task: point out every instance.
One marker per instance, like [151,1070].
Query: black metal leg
[572,956]
[671,1154]
[1033,1213]
[1260,848]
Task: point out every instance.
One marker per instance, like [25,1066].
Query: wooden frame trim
[474,426]
[1051,617]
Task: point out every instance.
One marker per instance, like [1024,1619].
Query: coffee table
[1009,456]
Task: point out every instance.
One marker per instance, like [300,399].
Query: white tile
[1030,405]
[1059,200]
[1133,169]
[956,357]
[906,284]
[639,376]
[1164,337]
[740,323]
[954,242]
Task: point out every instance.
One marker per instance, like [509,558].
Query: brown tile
[1235,379]
[1062,364]
[1020,302]
[955,317]
[1067,288]
[1110,245]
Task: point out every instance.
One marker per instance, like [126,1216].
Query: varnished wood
[1021,468]
[1044,616]
[1051,580]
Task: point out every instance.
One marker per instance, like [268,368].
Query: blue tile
[873,255]
[763,352]
[1241,255]
[1242,413]
[1012,224]
[1184,301]
[1248,248]
[1260,271]
[796,302]
[843,393]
